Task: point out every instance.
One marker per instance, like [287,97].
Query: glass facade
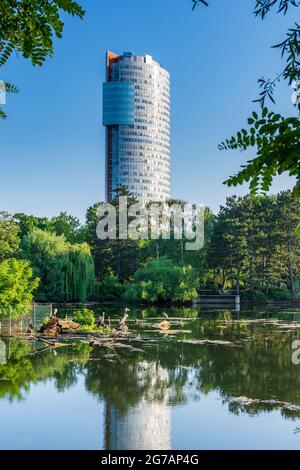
[118,103]
[136,113]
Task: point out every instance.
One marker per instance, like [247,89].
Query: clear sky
[52,144]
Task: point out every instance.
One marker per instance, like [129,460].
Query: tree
[228,243]
[9,236]
[109,288]
[26,223]
[120,256]
[68,226]
[17,285]
[163,281]
[28,27]
[276,137]
[287,218]
[260,256]
[66,271]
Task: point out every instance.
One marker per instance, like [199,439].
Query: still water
[237,390]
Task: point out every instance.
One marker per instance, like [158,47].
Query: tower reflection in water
[147,424]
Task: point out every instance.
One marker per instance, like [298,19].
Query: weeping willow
[66,271]
[79,273]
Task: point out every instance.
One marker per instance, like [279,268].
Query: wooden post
[33,315]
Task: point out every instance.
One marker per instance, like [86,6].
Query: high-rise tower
[136,114]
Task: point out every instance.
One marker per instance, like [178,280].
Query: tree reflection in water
[140,388]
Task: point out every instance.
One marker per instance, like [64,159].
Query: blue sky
[52,144]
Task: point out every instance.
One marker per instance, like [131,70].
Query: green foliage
[66,271]
[298,231]
[9,236]
[68,226]
[276,137]
[256,296]
[29,28]
[163,281]
[121,256]
[109,288]
[130,293]
[9,88]
[17,285]
[289,47]
[63,224]
[254,243]
[84,317]
[26,223]
[277,140]
[280,293]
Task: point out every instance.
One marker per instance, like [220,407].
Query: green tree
[163,281]
[120,256]
[287,218]
[254,244]
[28,222]
[109,288]
[67,225]
[17,285]
[28,27]
[66,271]
[9,236]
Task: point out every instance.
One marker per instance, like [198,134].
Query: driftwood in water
[164,325]
[122,323]
[101,320]
[51,327]
[55,326]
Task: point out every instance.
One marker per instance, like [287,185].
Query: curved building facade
[136,114]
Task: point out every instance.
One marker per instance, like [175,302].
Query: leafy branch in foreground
[277,140]
[275,137]
[28,27]
[290,50]
[9,88]
[289,47]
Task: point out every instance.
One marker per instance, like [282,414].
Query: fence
[36,316]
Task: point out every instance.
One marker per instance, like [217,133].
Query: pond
[220,379]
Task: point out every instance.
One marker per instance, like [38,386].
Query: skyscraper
[136,113]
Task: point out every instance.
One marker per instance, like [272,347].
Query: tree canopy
[66,271]
[17,285]
[9,236]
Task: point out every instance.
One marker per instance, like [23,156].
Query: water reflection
[249,367]
[146,424]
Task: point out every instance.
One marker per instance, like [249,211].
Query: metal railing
[36,316]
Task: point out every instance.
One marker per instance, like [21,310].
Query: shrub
[163,281]
[280,293]
[17,285]
[256,296]
[84,317]
[109,288]
[130,292]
